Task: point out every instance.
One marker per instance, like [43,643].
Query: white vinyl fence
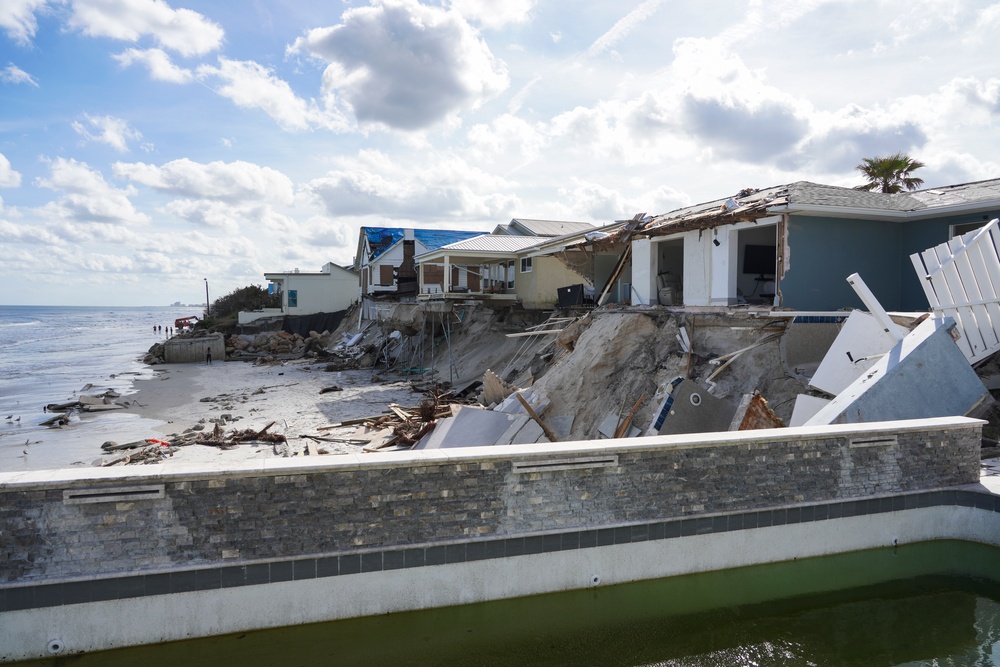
[961,279]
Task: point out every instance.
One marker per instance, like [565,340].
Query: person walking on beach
[208,356]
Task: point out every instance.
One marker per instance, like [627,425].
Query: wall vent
[880,441]
[606,461]
[115,494]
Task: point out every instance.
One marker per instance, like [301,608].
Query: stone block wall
[149,521]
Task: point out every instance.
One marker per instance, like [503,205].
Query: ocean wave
[20,324]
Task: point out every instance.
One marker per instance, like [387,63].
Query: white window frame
[526,264]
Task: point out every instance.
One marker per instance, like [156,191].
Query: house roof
[380,239]
[493,243]
[816,199]
[531,227]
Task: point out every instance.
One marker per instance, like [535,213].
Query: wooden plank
[549,433]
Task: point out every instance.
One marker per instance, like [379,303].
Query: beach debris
[327,390]
[754,413]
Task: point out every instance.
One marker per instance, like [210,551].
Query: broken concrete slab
[924,375]
[805,407]
[858,346]
[468,428]
[691,409]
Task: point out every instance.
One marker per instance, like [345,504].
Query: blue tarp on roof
[381,239]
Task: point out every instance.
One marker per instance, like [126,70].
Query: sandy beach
[238,396]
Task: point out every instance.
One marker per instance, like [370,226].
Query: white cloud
[9,178]
[17,19]
[112,131]
[252,86]
[160,67]
[27,233]
[403,64]
[88,198]
[181,30]
[494,15]
[625,25]
[227,181]
[445,187]
[14,74]
[228,217]
[505,134]
[923,16]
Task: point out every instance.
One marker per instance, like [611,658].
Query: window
[958,230]
[293,298]
[385,275]
[526,265]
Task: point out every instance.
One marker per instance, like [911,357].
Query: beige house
[496,268]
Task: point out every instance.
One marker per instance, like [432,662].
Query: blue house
[794,245]
[384,260]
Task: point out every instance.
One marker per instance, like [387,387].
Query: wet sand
[182,396]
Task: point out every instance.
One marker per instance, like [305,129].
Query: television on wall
[759,259]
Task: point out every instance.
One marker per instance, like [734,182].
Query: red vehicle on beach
[182,322]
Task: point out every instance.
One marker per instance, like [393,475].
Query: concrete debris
[924,375]
[860,344]
[690,408]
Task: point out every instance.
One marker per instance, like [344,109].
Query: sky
[149,146]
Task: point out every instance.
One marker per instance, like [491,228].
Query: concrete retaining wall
[192,350]
[163,534]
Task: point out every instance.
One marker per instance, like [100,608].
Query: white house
[329,290]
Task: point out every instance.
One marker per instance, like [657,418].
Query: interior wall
[747,283]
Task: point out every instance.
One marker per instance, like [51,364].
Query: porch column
[724,263]
[420,278]
[643,273]
[447,275]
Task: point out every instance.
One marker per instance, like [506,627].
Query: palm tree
[890,174]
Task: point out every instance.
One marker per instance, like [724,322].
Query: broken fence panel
[961,279]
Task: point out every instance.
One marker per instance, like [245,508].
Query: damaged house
[793,245]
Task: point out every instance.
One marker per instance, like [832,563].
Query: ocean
[48,354]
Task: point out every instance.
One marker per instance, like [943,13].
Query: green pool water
[936,603]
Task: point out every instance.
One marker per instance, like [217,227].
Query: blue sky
[147,145]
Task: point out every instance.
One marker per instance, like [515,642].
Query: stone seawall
[70,525]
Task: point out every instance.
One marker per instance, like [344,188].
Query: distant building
[330,290]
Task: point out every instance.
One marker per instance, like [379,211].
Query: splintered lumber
[624,427]
[524,334]
[399,413]
[311,449]
[538,420]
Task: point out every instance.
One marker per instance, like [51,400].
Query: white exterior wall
[643,272]
[319,292]
[723,264]
[697,269]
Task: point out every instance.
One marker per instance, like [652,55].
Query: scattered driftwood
[327,390]
[399,426]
